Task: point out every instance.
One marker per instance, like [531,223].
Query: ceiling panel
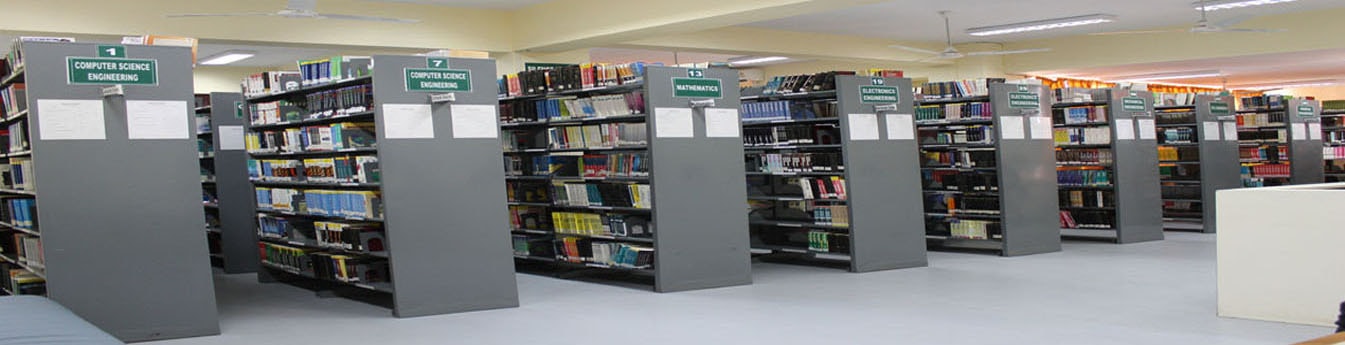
[620,55]
[918,20]
[495,4]
[1248,70]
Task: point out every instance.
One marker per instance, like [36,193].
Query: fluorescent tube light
[1168,76]
[1288,85]
[753,61]
[1228,4]
[1041,25]
[228,57]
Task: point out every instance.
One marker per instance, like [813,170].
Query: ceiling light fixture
[753,61]
[1169,76]
[1289,85]
[1229,4]
[228,57]
[1042,25]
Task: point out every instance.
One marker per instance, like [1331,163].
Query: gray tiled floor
[1092,293]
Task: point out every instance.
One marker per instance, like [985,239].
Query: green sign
[878,94]
[238,110]
[110,71]
[1024,99]
[1305,110]
[1219,108]
[436,63]
[1133,104]
[697,88]
[111,51]
[438,80]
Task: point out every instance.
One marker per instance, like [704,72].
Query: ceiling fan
[949,52]
[1203,26]
[297,9]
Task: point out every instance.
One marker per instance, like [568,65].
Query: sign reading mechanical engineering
[1305,110]
[1133,104]
[111,71]
[878,94]
[1219,108]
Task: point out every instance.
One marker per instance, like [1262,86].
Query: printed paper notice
[900,127]
[1148,130]
[1125,129]
[722,123]
[71,119]
[230,138]
[149,120]
[1011,127]
[1314,131]
[408,121]
[1300,131]
[1212,131]
[475,121]
[674,123]
[1041,127]
[1230,131]
[863,127]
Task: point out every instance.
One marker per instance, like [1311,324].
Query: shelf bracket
[444,98]
[884,108]
[114,90]
[702,103]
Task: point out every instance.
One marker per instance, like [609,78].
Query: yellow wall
[1325,93]
[222,79]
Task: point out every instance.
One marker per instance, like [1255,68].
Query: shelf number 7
[437,63]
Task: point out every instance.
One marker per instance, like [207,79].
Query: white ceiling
[621,55]
[268,55]
[1252,70]
[918,20]
[495,4]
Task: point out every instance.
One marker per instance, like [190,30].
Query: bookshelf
[1106,148]
[226,190]
[1198,156]
[987,166]
[657,201]
[857,211]
[120,243]
[366,189]
[1333,140]
[1274,133]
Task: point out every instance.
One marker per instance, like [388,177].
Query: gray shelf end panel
[1139,199]
[1219,163]
[121,219]
[237,203]
[1305,148]
[1027,174]
[887,220]
[442,198]
[700,227]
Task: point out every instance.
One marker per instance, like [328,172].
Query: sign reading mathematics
[438,80]
[697,86]
[111,71]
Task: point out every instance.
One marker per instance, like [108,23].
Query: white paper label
[1148,129]
[722,123]
[1212,131]
[900,127]
[863,127]
[674,123]
[474,121]
[71,119]
[1041,127]
[230,137]
[1300,131]
[1314,131]
[408,121]
[157,120]
[1125,129]
[1230,131]
[1011,127]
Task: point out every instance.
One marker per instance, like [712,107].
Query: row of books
[977,134]
[1169,153]
[1173,99]
[602,194]
[957,89]
[605,135]
[1266,170]
[339,102]
[347,236]
[1072,94]
[1270,153]
[204,146]
[791,135]
[327,266]
[18,174]
[822,188]
[1334,137]
[21,281]
[336,68]
[796,162]
[593,224]
[1082,136]
[615,165]
[584,76]
[954,111]
[25,248]
[346,169]
[828,242]
[1084,178]
[959,159]
[803,83]
[1333,152]
[960,181]
[1262,119]
[1178,135]
[615,254]
[271,82]
[14,98]
[831,215]
[787,110]
[281,111]
[14,58]
[202,123]
[1085,156]
[333,137]
[954,204]
[525,245]
[529,217]
[20,212]
[1074,115]
[575,108]
[974,229]
[1274,135]
[1181,192]
[1091,198]
[1179,172]
[1263,102]
[1080,219]
[1175,117]
[334,203]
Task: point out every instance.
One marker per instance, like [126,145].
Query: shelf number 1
[112,51]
